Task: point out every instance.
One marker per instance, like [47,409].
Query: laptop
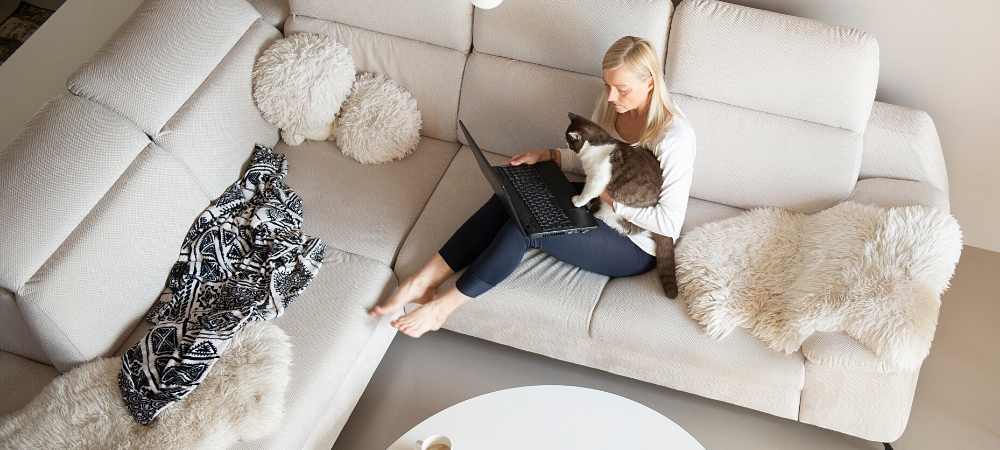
[537,195]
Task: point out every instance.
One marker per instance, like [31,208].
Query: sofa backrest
[779,103]
[421,47]
[532,62]
[101,186]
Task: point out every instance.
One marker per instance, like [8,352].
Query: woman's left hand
[606,198]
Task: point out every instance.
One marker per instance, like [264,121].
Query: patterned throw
[244,258]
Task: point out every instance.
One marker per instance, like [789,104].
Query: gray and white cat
[631,174]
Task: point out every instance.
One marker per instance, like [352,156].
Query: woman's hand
[534,156]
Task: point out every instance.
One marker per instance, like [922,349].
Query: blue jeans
[491,245]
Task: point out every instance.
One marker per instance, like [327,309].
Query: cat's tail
[665,264]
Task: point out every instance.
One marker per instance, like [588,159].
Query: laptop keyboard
[541,203]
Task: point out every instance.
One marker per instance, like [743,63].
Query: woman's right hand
[531,157]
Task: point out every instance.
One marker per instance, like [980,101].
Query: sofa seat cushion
[889,192]
[702,211]
[332,337]
[22,379]
[542,296]
[646,336]
[361,208]
[331,333]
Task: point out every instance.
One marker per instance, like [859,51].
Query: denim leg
[495,263]
[603,250]
[472,238]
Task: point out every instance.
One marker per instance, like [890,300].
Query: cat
[631,174]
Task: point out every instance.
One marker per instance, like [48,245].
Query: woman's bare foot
[411,291]
[430,316]
[417,288]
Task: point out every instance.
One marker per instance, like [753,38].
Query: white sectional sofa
[100,187]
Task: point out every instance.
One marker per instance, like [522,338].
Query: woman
[635,107]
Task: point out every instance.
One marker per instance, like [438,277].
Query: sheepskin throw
[299,84]
[244,259]
[241,400]
[876,274]
[379,122]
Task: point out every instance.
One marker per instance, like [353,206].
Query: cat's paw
[579,201]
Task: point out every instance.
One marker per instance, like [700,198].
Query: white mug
[430,441]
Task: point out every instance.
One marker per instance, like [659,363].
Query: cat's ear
[572,116]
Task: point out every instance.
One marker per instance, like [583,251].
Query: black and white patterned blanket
[244,258]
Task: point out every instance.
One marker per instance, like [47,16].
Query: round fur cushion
[379,122]
[300,83]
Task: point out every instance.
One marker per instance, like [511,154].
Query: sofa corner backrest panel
[445,23]
[785,99]
[533,62]
[159,57]
[422,48]
[569,37]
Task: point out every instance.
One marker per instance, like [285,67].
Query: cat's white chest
[596,161]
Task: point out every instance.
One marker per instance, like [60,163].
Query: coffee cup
[434,442]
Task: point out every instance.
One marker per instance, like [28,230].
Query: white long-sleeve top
[676,151]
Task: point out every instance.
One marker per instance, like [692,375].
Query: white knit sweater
[676,151]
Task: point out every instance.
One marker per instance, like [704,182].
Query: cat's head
[582,131]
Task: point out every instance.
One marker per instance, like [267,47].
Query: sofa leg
[887,445]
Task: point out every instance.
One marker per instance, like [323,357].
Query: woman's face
[626,91]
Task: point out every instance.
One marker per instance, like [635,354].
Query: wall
[943,58]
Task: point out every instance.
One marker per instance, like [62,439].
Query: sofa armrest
[903,143]
[838,350]
[887,192]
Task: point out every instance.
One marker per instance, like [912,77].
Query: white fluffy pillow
[299,84]
[379,122]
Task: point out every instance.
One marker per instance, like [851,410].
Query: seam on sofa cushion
[769,113]
[131,17]
[18,289]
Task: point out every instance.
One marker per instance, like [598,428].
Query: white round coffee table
[551,417]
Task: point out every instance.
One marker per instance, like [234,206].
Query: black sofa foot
[887,445]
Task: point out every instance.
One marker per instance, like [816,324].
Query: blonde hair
[636,54]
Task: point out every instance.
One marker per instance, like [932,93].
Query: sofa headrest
[447,23]
[775,63]
[570,37]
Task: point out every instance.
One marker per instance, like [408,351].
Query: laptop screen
[488,170]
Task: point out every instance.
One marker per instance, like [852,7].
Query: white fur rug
[875,273]
[242,398]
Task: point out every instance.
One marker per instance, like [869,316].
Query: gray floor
[957,403]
